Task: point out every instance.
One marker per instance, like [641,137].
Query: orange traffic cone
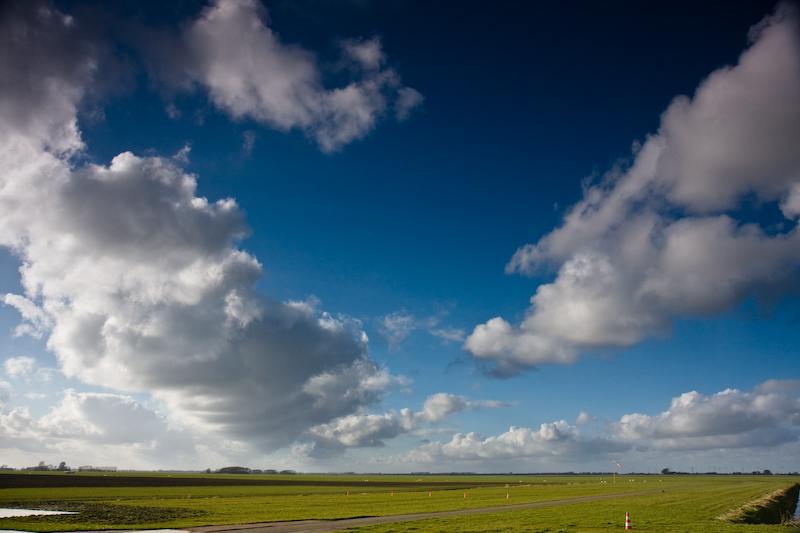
[430,494]
[506,496]
[627,521]
[465,494]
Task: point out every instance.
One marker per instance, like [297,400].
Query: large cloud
[766,418]
[248,72]
[138,283]
[672,233]
[730,419]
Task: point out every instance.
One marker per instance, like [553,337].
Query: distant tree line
[667,471]
[245,470]
[42,467]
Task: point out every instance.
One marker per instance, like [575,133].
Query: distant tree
[208,470]
[234,470]
[63,466]
[666,471]
[767,473]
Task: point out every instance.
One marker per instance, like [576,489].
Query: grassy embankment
[694,506]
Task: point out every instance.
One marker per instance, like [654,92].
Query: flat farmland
[137,501]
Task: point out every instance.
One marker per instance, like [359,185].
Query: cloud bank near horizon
[767,418]
[671,232]
[695,427]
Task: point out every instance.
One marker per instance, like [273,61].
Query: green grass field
[692,506]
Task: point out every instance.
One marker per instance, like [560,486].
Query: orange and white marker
[465,494]
[393,494]
[430,494]
[506,496]
[627,521]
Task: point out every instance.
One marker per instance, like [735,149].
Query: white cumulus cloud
[663,235]
[230,51]
[19,366]
[371,430]
[139,284]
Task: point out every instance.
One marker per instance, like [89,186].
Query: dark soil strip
[33,481]
[337,525]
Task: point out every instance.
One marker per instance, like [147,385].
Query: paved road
[338,525]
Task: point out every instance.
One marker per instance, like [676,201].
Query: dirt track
[337,525]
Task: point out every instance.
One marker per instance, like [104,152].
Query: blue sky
[400,236]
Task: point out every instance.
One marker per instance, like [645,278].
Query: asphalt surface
[338,525]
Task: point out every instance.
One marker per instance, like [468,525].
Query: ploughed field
[139,501]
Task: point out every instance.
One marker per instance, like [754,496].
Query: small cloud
[455,363]
[585,419]
[35,320]
[449,334]
[19,366]
[250,137]
[183,154]
[407,99]
[172,111]
[367,54]
[397,326]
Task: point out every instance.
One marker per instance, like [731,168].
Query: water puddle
[8,513]
[797,510]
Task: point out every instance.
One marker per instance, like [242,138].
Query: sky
[400,236]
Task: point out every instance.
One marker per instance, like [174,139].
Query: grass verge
[775,508]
